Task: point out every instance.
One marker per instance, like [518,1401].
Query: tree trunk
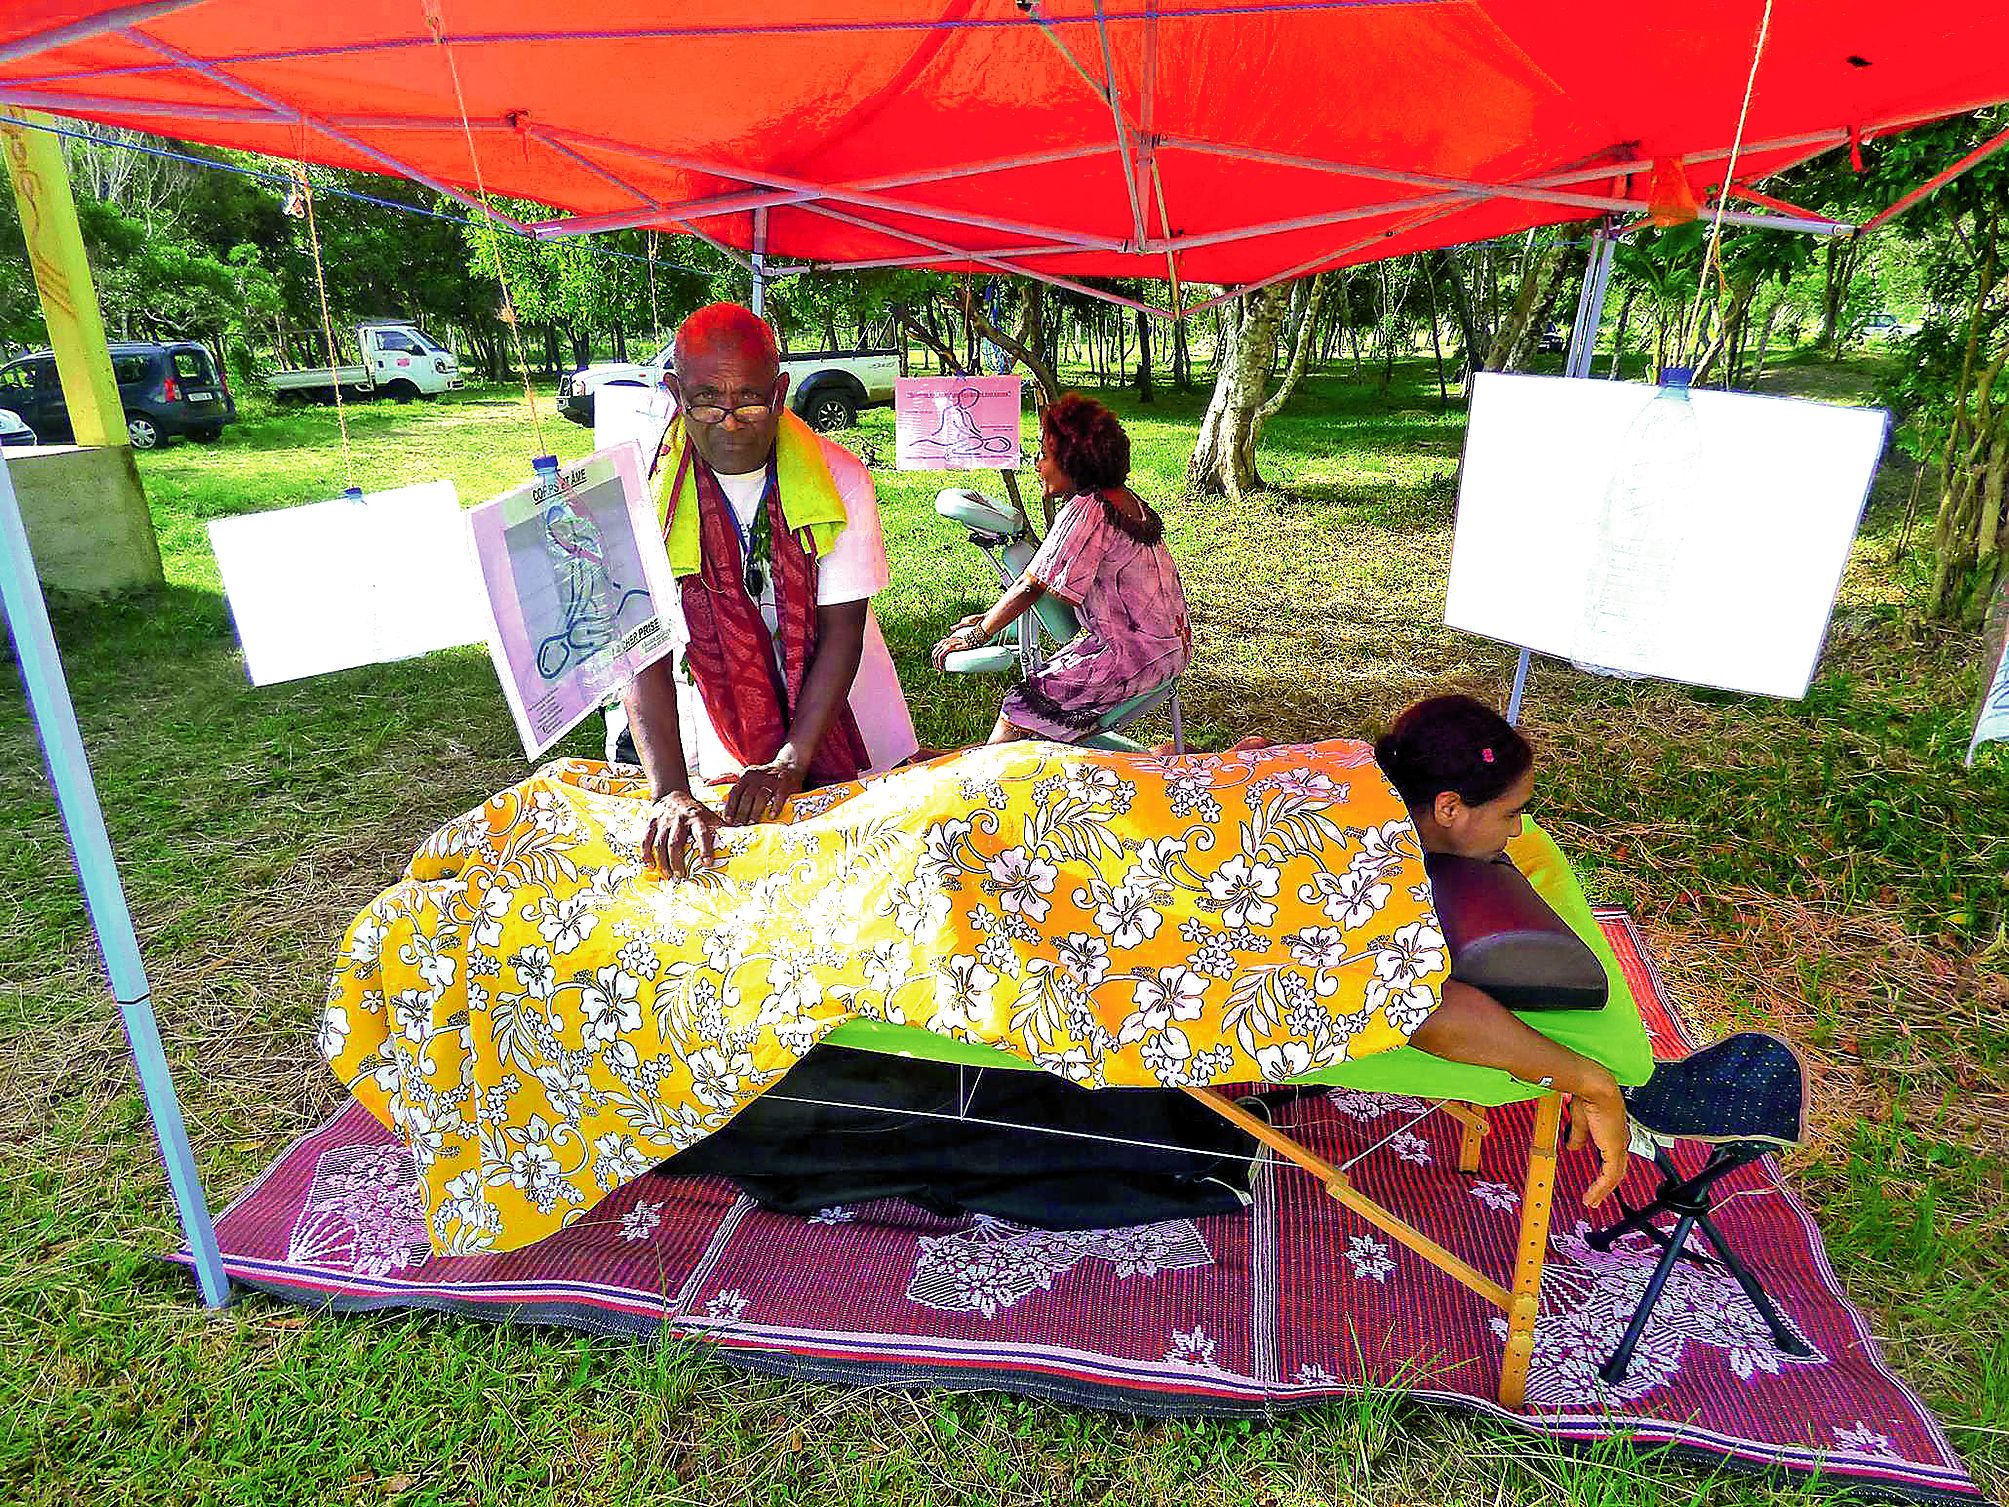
[1182,358]
[1511,340]
[1618,335]
[1765,339]
[1224,457]
[1312,299]
[1143,357]
[1974,466]
[1843,254]
[1023,347]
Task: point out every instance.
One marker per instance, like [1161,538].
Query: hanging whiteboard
[1698,539]
[333,585]
[628,412]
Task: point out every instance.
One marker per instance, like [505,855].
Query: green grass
[1824,867]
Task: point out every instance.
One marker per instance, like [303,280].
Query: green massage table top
[1613,1036]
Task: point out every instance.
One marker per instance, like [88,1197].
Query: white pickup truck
[400,361]
[826,387]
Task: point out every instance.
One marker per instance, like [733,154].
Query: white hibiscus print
[334,1032]
[487,928]
[919,906]
[1399,963]
[1173,994]
[609,1004]
[616,1159]
[962,994]
[1085,957]
[534,972]
[568,922]
[1127,917]
[719,1078]
[793,987]
[1023,882]
[1284,1060]
[1243,890]
[1350,899]
[1318,947]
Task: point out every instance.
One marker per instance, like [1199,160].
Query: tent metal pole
[55,721]
[760,262]
[1583,342]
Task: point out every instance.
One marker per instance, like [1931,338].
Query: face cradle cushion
[1505,940]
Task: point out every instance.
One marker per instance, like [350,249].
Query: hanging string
[437,23]
[655,314]
[1712,255]
[306,183]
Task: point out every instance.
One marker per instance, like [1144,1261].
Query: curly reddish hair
[1086,442]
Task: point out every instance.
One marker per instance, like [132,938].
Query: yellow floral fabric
[541,1018]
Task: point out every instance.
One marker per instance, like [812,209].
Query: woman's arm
[981,628]
[1471,1026]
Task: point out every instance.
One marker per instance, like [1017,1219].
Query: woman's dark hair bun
[1452,743]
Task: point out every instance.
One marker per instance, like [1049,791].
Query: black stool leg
[1613,1371]
[1782,1334]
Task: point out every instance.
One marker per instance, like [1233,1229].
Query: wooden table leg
[1537,1202]
[1473,1118]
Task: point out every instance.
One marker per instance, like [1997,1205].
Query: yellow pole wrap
[63,277]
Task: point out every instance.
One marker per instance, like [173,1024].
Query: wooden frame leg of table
[1473,1118]
[1537,1202]
[1523,1303]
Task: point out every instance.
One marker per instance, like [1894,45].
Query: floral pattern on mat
[1588,1298]
[992,1265]
[541,1020]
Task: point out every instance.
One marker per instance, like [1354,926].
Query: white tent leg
[77,798]
[1583,341]
[760,262]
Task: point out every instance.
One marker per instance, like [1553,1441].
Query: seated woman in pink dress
[1106,558]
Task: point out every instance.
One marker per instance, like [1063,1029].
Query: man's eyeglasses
[746,413]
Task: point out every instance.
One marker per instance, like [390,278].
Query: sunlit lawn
[1824,867]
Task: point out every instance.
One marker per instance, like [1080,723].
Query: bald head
[729,385]
[727,329]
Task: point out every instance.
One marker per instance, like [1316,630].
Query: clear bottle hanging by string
[1640,531]
[578,558]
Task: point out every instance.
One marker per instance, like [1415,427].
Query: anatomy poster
[957,423]
[333,585]
[1696,536]
[574,569]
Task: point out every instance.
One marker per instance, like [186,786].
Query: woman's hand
[968,634]
[1598,1118]
[682,834]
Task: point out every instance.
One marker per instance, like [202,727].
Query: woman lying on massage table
[542,1014]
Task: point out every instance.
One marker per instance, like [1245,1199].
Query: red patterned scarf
[751,693]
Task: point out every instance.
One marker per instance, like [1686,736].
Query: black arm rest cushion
[1505,940]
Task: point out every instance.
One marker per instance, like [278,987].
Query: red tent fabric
[1233,141]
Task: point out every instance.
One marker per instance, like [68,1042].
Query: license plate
[200,395]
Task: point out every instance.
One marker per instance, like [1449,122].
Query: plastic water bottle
[1639,536]
[578,557]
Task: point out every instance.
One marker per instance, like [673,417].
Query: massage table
[1613,1036]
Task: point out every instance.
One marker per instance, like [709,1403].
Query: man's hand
[682,834]
[760,793]
[1597,1118]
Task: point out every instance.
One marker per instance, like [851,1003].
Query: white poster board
[573,567]
[333,585]
[1693,536]
[1991,723]
[628,412]
[957,423]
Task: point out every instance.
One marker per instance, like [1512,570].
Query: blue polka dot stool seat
[1744,1097]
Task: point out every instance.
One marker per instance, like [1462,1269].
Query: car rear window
[129,369]
[193,366]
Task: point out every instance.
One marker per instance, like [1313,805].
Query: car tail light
[170,390]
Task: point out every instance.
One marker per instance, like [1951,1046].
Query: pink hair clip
[1486,754]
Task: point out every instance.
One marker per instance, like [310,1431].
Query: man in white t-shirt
[766,690]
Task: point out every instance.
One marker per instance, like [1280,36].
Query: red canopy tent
[1220,141]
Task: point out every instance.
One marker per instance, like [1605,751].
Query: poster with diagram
[574,571]
[957,423]
[355,581]
[1689,535]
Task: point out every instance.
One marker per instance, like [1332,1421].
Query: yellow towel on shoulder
[809,496]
